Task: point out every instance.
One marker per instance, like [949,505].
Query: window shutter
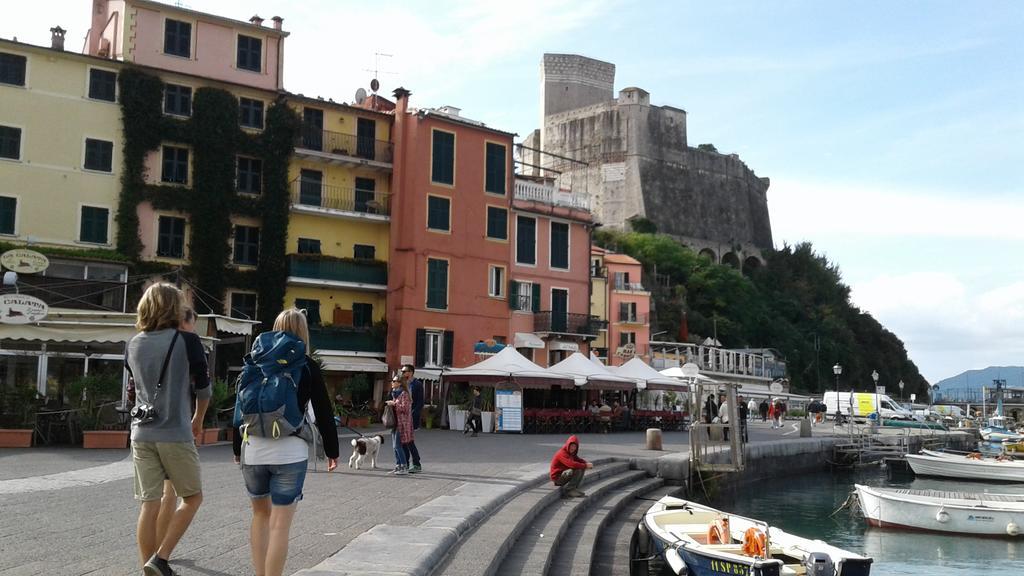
[513,294]
[623,311]
[421,347]
[536,297]
[449,348]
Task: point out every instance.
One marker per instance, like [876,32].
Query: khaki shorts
[155,461]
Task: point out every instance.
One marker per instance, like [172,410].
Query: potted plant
[428,416]
[457,412]
[217,420]
[96,396]
[487,413]
[17,417]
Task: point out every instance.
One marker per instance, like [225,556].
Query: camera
[144,413]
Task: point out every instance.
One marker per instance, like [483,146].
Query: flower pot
[459,422]
[211,435]
[105,439]
[451,417]
[17,438]
[358,422]
[487,421]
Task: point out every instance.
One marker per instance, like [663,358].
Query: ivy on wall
[215,139]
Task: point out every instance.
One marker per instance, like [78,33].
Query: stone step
[482,549]
[533,551]
[575,552]
[611,551]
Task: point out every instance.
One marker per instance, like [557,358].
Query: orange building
[620,298]
[449,238]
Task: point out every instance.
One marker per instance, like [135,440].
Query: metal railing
[549,194]
[365,147]
[564,323]
[370,272]
[74,293]
[346,338]
[632,286]
[319,195]
[633,318]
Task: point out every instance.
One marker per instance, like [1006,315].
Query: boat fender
[942,516]
[1013,529]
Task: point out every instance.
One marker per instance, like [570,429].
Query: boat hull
[900,510]
[966,468]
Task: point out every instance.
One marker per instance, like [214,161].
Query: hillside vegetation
[797,300]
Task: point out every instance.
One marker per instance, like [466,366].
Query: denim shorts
[282,482]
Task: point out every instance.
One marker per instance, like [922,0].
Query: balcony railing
[346,338]
[633,319]
[364,147]
[549,194]
[76,294]
[369,272]
[565,323]
[632,286]
[318,195]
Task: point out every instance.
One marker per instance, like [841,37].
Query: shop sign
[21,309]
[24,261]
[567,346]
[626,351]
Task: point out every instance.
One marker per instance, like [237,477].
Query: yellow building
[340,177]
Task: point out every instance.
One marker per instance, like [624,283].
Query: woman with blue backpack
[278,383]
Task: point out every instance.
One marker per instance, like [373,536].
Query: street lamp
[837,370]
[901,391]
[874,376]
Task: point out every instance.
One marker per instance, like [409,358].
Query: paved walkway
[70,511]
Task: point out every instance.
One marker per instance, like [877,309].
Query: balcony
[76,294]
[564,323]
[633,319]
[346,338]
[369,275]
[337,148]
[628,286]
[548,193]
[314,197]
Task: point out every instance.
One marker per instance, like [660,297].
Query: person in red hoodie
[567,468]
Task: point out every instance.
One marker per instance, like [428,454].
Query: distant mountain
[975,379]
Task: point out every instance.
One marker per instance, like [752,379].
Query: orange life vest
[718,531]
[755,543]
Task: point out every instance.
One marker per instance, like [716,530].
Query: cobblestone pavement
[83,522]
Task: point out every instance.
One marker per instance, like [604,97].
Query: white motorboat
[968,467]
[1000,429]
[689,538]
[943,511]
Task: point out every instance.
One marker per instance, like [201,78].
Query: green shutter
[437,284]
[8,211]
[536,297]
[513,295]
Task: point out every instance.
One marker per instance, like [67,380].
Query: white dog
[364,449]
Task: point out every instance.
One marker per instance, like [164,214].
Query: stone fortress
[638,164]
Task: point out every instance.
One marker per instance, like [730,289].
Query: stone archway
[732,260]
[751,264]
[709,254]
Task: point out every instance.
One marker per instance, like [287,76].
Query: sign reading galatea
[21,309]
[775,387]
[24,261]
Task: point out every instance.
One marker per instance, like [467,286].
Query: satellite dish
[374,85]
[360,96]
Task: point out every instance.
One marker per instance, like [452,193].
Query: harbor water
[802,505]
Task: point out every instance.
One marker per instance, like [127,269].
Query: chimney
[57,37]
[277,22]
[256,20]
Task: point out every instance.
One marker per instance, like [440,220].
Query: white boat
[943,511]
[999,429]
[968,467]
[689,538]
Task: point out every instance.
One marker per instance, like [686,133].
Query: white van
[954,411]
[865,403]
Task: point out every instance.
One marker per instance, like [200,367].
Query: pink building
[625,304]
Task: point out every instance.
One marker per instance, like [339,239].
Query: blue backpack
[267,401]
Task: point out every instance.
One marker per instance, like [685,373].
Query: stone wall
[570,82]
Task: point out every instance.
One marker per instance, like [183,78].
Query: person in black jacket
[274,469]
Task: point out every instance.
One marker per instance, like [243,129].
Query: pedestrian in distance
[751,408]
[567,469]
[762,408]
[401,403]
[743,413]
[476,405]
[723,415]
[167,366]
[771,413]
[710,409]
[412,455]
[278,385]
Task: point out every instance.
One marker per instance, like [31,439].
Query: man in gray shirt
[163,445]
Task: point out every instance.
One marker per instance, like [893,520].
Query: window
[526,240]
[365,192]
[362,315]
[560,245]
[247,245]
[243,305]
[170,240]
[364,252]
[311,187]
[494,180]
[8,214]
[438,213]
[175,165]
[10,142]
[99,155]
[627,338]
[627,312]
[178,100]
[177,38]
[250,53]
[309,246]
[250,113]
[250,175]
[94,225]
[434,348]
[622,280]
[102,85]
[525,296]
[496,281]
[312,309]
[443,154]
[437,284]
[12,69]
[497,223]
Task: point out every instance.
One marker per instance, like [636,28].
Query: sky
[892,132]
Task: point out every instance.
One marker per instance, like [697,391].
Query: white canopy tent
[508,365]
[592,376]
[639,371]
[677,372]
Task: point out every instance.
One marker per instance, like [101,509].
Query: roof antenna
[375,83]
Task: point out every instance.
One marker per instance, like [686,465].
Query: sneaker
[394,470]
[415,468]
[401,472]
[157,566]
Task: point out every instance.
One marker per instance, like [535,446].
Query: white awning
[341,363]
[229,325]
[69,332]
[431,374]
[528,340]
